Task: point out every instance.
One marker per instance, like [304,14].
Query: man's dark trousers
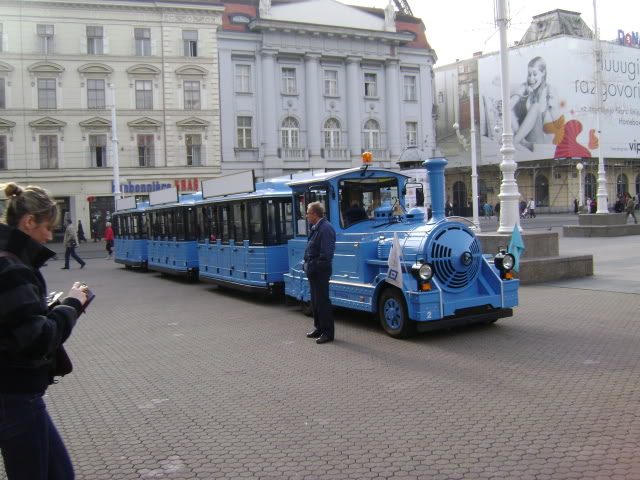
[320,302]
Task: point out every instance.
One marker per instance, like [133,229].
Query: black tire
[128,267]
[307,309]
[393,314]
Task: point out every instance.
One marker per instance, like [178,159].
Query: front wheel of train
[393,314]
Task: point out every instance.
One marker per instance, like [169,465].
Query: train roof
[324,177]
[269,188]
[183,200]
[140,207]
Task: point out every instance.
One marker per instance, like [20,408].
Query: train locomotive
[443,279]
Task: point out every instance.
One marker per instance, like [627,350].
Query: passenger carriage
[445,279]
[129,225]
[172,233]
[242,238]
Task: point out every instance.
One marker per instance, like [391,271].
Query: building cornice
[262,25]
[159,6]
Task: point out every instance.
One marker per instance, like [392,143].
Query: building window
[98,149]
[332,134]
[144,95]
[371,132]
[143,41]
[590,186]
[290,133]
[3,152]
[190,43]
[622,185]
[3,102]
[412,134]
[145,150]
[331,83]
[191,95]
[45,38]
[194,149]
[244,132]
[370,85]
[95,41]
[48,151]
[289,80]
[95,94]
[243,78]
[1,42]
[542,191]
[410,88]
[46,93]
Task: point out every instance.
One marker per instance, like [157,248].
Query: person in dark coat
[318,258]
[31,334]
[576,208]
[81,237]
[70,244]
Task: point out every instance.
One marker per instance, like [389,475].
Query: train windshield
[359,198]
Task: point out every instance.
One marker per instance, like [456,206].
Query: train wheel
[128,267]
[307,309]
[394,318]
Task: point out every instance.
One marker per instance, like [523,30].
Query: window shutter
[83,44]
[154,47]
[105,46]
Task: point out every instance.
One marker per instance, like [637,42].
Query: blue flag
[516,246]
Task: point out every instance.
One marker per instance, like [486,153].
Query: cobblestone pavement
[183,381]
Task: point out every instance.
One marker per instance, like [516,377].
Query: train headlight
[504,261]
[423,271]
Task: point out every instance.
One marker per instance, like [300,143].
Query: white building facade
[57,62]
[313,84]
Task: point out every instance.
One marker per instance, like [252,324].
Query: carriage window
[201,226]
[314,194]
[239,222]
[271,232]
[213,218]
[256,236]
[285,216]
[359,197]
[135,227]
[224,223]
[144,225]
[180,232]
[170,225]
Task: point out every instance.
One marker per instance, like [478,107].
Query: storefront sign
[182,184]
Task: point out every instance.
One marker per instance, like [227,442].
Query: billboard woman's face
[535,77]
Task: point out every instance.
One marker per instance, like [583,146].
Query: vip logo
[634,146]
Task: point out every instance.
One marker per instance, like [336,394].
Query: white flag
[394,273]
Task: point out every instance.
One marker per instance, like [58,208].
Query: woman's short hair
[317,208]
[108,224]
[29,200]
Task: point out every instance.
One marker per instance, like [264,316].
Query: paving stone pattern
[180,381]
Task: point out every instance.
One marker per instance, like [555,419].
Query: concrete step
[601,230]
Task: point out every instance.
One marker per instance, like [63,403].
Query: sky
[458,28]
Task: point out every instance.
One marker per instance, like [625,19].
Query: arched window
[290,133]
[542,191]
[459,198]
[371,132]
[590,186]
[332,137]
[622,184]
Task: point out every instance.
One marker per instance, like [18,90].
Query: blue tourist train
[130,229]
[255,241]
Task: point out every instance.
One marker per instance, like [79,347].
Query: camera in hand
[54,298]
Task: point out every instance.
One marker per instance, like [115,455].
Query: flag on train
[516,247]
[394,273]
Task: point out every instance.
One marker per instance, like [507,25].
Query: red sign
[187,184]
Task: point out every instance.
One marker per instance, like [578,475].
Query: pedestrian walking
[70,244]
[318,258]
[629,208]
[532,208]
[109,238]
[576,208]
[497,210]
[486,208]
[81,237]
[31,446]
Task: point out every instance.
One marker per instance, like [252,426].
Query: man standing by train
[318,256]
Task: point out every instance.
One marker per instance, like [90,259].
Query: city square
[180,380]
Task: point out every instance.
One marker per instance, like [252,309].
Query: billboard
[553,101]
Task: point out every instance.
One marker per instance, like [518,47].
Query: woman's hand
[79,292]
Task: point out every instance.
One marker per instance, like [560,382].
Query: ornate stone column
[354,100]
[268,93]
[312,94]
[392,101]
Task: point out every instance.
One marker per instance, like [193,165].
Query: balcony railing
[292,153]
[335,153]
[379,154]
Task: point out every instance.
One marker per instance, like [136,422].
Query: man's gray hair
[317,208]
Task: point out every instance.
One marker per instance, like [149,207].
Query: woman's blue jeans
[31,446]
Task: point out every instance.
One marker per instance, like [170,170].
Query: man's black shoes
[315,334]
[64,268]
[324,339]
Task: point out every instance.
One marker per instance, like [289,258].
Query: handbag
[73,243]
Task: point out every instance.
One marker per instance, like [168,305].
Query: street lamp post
[509,195]
[579,167]
[597,60]
[114,146]
[474,166]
